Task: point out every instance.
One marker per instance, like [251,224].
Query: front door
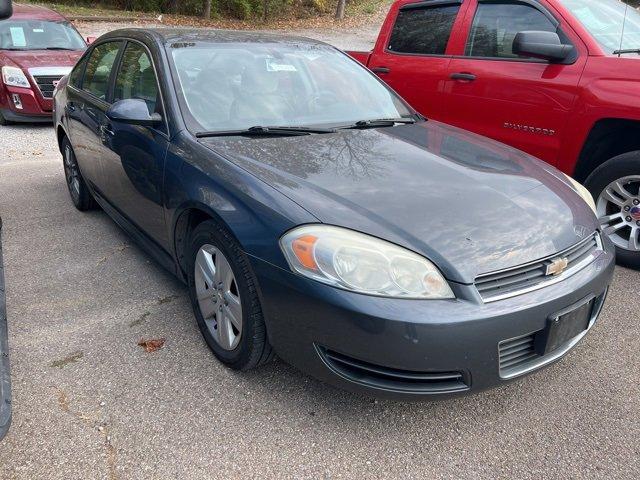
[414,60]
[522,102]
[134,169]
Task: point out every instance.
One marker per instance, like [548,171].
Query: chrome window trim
[552,280]
[560,352]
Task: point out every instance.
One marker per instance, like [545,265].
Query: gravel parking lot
[90,403]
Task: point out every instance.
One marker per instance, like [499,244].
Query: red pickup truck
[559,79]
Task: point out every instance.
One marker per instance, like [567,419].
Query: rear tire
[224,298]
[615,186]
[78,190]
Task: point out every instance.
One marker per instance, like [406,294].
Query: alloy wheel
[218,296]
[71,172]
[618,209]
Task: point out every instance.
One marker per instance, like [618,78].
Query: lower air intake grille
[516,353]
[525,278]
[391,379]
[47,83]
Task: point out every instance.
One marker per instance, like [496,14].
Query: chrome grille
[526,278]
[46,84]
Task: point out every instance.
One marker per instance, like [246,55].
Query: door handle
[467,77]
[71,107]
[380,70]
[106,130]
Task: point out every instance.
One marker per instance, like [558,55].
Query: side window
[99,65]
[136,78]
[496,25]
[75,78]
[423,30]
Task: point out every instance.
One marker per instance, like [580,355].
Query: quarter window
[423,30]
[496,25]
[75,78]
[99,65]
[136,78]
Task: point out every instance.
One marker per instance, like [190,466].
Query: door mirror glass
[134,112]
[543,45]
[6,10]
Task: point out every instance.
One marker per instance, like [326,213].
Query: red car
[37,48]
[558,79]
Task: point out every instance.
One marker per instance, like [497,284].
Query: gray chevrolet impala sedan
[314,214]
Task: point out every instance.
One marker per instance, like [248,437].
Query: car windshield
[615,24]
[235,86]
[39,35]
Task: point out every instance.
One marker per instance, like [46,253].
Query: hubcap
[71,172]
[618,210]
[218,297]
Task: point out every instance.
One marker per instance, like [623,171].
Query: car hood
[469,204]
[40,58]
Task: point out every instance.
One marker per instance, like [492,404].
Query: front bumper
[34,107]
[5,379]
[428,349]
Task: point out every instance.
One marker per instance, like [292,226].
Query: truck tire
[615,186]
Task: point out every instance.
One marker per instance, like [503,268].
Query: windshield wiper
[382,122]
[58,48]
[259,130]
[626,51]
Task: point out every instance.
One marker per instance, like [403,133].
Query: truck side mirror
[543,45]
[6,9]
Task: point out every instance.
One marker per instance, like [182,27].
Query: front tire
[4,121]
[615,186]
[225,300]
[78,190]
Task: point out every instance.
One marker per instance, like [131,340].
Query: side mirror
[6,9]
[543,45]
[134,112]
[90,40]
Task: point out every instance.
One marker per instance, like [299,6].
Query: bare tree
[206,12]
[265,10]
[340,9]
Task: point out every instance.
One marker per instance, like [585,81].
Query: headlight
[360,263]
[583,192]
[14,77]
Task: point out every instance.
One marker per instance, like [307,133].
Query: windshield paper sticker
[17,37]
[274,66]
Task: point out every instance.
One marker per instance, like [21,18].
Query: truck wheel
[225,300]
[615,186]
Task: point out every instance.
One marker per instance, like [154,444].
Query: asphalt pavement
[90,403]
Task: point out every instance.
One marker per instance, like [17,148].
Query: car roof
[175,35]
[36,12]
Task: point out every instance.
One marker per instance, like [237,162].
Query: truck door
[411,53]
[523,102]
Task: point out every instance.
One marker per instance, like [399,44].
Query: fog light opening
[16,101]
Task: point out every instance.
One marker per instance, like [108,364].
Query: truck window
[496,25]
[423,30]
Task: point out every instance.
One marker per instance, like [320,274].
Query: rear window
[423,30]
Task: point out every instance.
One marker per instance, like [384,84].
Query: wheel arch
[608,138]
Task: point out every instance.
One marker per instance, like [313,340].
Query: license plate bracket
[563,327]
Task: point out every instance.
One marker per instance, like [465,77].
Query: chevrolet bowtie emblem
[558,266]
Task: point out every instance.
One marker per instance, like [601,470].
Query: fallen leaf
[152,345]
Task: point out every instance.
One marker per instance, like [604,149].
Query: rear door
[86,111]
[523,102]
[413,56]
[134,167]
